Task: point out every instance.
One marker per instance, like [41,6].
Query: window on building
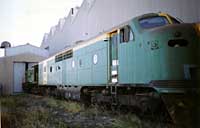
[126,34]
[72,11]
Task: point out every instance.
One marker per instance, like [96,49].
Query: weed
[128,121]
[60,124]
[8,102]
[28,111]
[92,111]
[73,107]
[51,102]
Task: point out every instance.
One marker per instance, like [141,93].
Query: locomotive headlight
[197,28]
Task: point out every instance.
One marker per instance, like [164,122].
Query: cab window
[126,34]
[175,21]
[152,22]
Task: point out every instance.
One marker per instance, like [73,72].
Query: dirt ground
[31,111]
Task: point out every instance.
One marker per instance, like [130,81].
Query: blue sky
[26,21]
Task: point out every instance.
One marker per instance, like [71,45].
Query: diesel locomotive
[150,59]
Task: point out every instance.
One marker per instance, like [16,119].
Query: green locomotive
[153,56]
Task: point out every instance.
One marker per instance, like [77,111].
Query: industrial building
[96,16]
[14,63]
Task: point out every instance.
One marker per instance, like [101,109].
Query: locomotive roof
[148,15]
[102,35]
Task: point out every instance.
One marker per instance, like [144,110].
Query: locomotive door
[114,57]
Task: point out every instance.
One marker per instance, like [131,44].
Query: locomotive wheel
[86,99]
[151,107]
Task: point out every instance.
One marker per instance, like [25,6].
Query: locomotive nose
[175,35]
[176,48]
[172,36]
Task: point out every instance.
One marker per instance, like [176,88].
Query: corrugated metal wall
[101,15]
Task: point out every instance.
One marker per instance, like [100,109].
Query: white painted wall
[101,15]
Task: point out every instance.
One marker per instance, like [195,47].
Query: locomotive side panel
[43,75]
[88,66]
[84,69]
[92,69]
[51,72]
[100,63]
[58,72]
[64,71]
[134,59]
[133,64]
[70,75]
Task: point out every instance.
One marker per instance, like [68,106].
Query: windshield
[152,22]
[174,21]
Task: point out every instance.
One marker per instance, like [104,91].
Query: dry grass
[16,114]
[28,111]
[67,106]
[127,121]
